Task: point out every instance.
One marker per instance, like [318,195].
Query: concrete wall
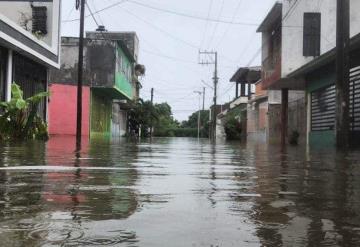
[67,74]
[292,38]
[62,110]
[257,121]
[274,120]
[18,16]
[297,115]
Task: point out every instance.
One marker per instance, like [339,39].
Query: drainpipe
[284,115]
[9,75]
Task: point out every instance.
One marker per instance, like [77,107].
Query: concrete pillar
[242,93]
[284,114]
[9,75]
[237,90]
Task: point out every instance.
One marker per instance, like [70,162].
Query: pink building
[63,108]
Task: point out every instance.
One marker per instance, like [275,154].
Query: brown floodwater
[177,192]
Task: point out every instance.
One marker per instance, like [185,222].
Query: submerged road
[177,192]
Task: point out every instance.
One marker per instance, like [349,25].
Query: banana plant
[19,119]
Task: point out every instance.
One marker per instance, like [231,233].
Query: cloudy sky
[171,33]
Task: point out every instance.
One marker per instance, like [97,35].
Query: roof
[247,74]
[323,60]
[272,17]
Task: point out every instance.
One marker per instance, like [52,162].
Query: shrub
[19,119]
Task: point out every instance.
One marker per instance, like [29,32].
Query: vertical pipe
[237,91]
[80,76]
[9,75]
[342,73]
[284,114]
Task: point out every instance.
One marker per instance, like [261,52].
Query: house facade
[308,41]
[29,46]
[110,86]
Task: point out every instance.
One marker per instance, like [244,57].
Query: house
[109,90]
[307,37]
[245,77]
[29,46]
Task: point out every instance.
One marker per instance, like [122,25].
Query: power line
[92,15]
[228,27]
[193,16]
[96,12]
[207,24]
[217,23]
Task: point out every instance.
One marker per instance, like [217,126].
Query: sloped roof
[246,74]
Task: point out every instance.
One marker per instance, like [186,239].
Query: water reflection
[179,191]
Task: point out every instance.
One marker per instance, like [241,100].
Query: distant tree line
[145,114]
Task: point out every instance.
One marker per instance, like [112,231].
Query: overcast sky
[169,42]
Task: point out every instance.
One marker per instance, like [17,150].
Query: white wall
[292,37]
[14,13]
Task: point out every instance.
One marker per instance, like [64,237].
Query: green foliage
[159,116]
[19,119]
[232,124]
[192,123]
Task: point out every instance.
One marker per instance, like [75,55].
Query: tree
[19,119]
[145,114]
[192,123]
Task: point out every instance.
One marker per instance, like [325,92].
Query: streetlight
[199,93]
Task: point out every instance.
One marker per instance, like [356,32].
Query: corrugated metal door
[323,109]
[355,99]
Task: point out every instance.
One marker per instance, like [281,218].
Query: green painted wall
[100,114]
[122,77]
[322,138]
[320,79]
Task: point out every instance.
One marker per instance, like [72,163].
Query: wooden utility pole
[152,104]
[80,4]
[342,73]
[215,79]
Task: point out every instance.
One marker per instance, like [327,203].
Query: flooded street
[177,192]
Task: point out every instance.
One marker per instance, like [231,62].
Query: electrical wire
[217,23]
[100,10]
[229,25]
[207,24]
[192,16]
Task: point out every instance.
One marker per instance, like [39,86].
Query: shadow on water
[182,191]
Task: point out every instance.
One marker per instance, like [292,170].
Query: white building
[29,45]
[294,13]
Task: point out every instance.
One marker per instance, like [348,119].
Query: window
[312,31]
[39,18]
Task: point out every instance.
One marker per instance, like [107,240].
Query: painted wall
[292,38]
[18,16]
[101,111]
[62,110]
[123,74]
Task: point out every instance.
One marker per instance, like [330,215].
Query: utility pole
[152,104]
[199,116]
[80,4]
[203,106]
[342,73]
[213,61]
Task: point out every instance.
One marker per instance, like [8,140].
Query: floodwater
[177,192]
